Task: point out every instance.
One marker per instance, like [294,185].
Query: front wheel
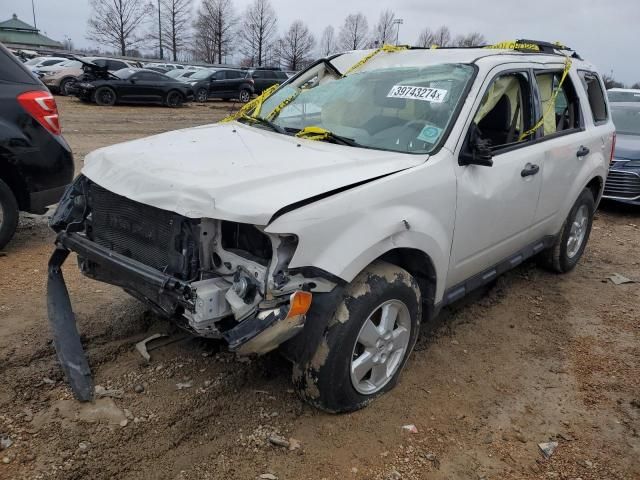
[202,95]
[64,85]
[105,96]
[174,99]
[573,237]
[367,342]
[245,96]
[8,214]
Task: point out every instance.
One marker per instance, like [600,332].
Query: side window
[219,75]
[281,75]
[595,93]
[114,65]
[232,74]
[559,103]
[504,115]
[100,62]
[48,63]
[258,74]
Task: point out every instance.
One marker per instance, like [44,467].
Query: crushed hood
[233,171]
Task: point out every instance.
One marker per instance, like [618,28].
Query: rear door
[147,87]
[496,205]
[219,86]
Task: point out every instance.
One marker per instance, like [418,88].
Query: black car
[265,77]
[131,85]
[35,161]
[225,83]
[623,181]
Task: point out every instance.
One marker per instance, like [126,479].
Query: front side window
[559,103]
[505,114]
[403,109]
[595,93]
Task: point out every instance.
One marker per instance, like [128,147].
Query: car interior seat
[496,123]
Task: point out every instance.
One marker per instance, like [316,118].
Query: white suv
[336,212]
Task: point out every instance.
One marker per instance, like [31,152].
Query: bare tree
[296,46]
[353,34]
[175,24]
[636,86]
[473,39]
[327,42]
[610,82]
[257,30]
[214,27]
[426,38]
[384,32]
[442,37]
[116,22]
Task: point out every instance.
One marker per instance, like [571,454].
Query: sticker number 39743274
[410,92]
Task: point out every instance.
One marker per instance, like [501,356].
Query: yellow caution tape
[514,45]
[384,48]
[552,101]
[254,105]
[276,111]
[314,133]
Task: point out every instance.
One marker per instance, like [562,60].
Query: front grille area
[622,184]
[133,229]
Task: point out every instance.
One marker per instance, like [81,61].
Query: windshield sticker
[410,92]
[430,134]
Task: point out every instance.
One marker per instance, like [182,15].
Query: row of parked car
[107,81]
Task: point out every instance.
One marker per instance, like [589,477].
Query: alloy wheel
[578,231]
[380,347]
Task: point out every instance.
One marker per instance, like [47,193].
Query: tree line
[217,31]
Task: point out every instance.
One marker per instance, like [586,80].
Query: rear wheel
[367,343]
[573,237]
[174,99]
[105,96]
[202,95]
[245,96]
[8,214]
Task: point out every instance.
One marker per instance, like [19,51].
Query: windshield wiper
[321,134]
[264,121]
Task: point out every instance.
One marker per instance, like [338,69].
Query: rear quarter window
[12,71]
[596,95]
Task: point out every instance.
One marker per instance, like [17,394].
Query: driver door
[496,205]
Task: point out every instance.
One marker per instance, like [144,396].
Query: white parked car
[334,216]
[39,62]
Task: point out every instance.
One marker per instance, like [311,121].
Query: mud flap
[65,332]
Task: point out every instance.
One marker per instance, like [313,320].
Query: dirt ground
[536,358]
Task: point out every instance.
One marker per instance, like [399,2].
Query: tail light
[613,147]
[42,106]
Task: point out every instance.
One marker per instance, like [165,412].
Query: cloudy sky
[605,32]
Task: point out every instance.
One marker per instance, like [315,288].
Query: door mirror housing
[476,151]
[132,80]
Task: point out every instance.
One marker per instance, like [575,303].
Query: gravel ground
[536,358]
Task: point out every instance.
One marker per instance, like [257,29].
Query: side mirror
[475,150]
[132,80]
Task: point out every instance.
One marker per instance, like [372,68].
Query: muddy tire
[105,96]
[573,237]
[367,341]
[8,214]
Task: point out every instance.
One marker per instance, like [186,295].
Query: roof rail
[538,46]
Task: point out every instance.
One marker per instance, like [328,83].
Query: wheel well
[595,185]
[420,266]
[10,176]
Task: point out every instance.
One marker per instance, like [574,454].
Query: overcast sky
[606,33]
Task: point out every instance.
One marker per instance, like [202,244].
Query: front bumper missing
[255,335]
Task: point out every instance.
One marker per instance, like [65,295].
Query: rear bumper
[39,201]
[258,334]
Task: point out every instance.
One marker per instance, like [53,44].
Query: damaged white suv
[338,211]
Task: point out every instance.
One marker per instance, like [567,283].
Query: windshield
[70,64]
[34,61]
[174,73]
[201,74]
[616,96]
[626,119]
[404,109]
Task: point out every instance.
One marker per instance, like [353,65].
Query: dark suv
[265,77]
[35,161]
[225,83]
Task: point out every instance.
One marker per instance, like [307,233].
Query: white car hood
[233,171]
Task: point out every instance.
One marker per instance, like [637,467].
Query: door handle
[529,169]
[582,151]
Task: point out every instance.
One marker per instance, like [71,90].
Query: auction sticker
[430,134]
[411,92]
